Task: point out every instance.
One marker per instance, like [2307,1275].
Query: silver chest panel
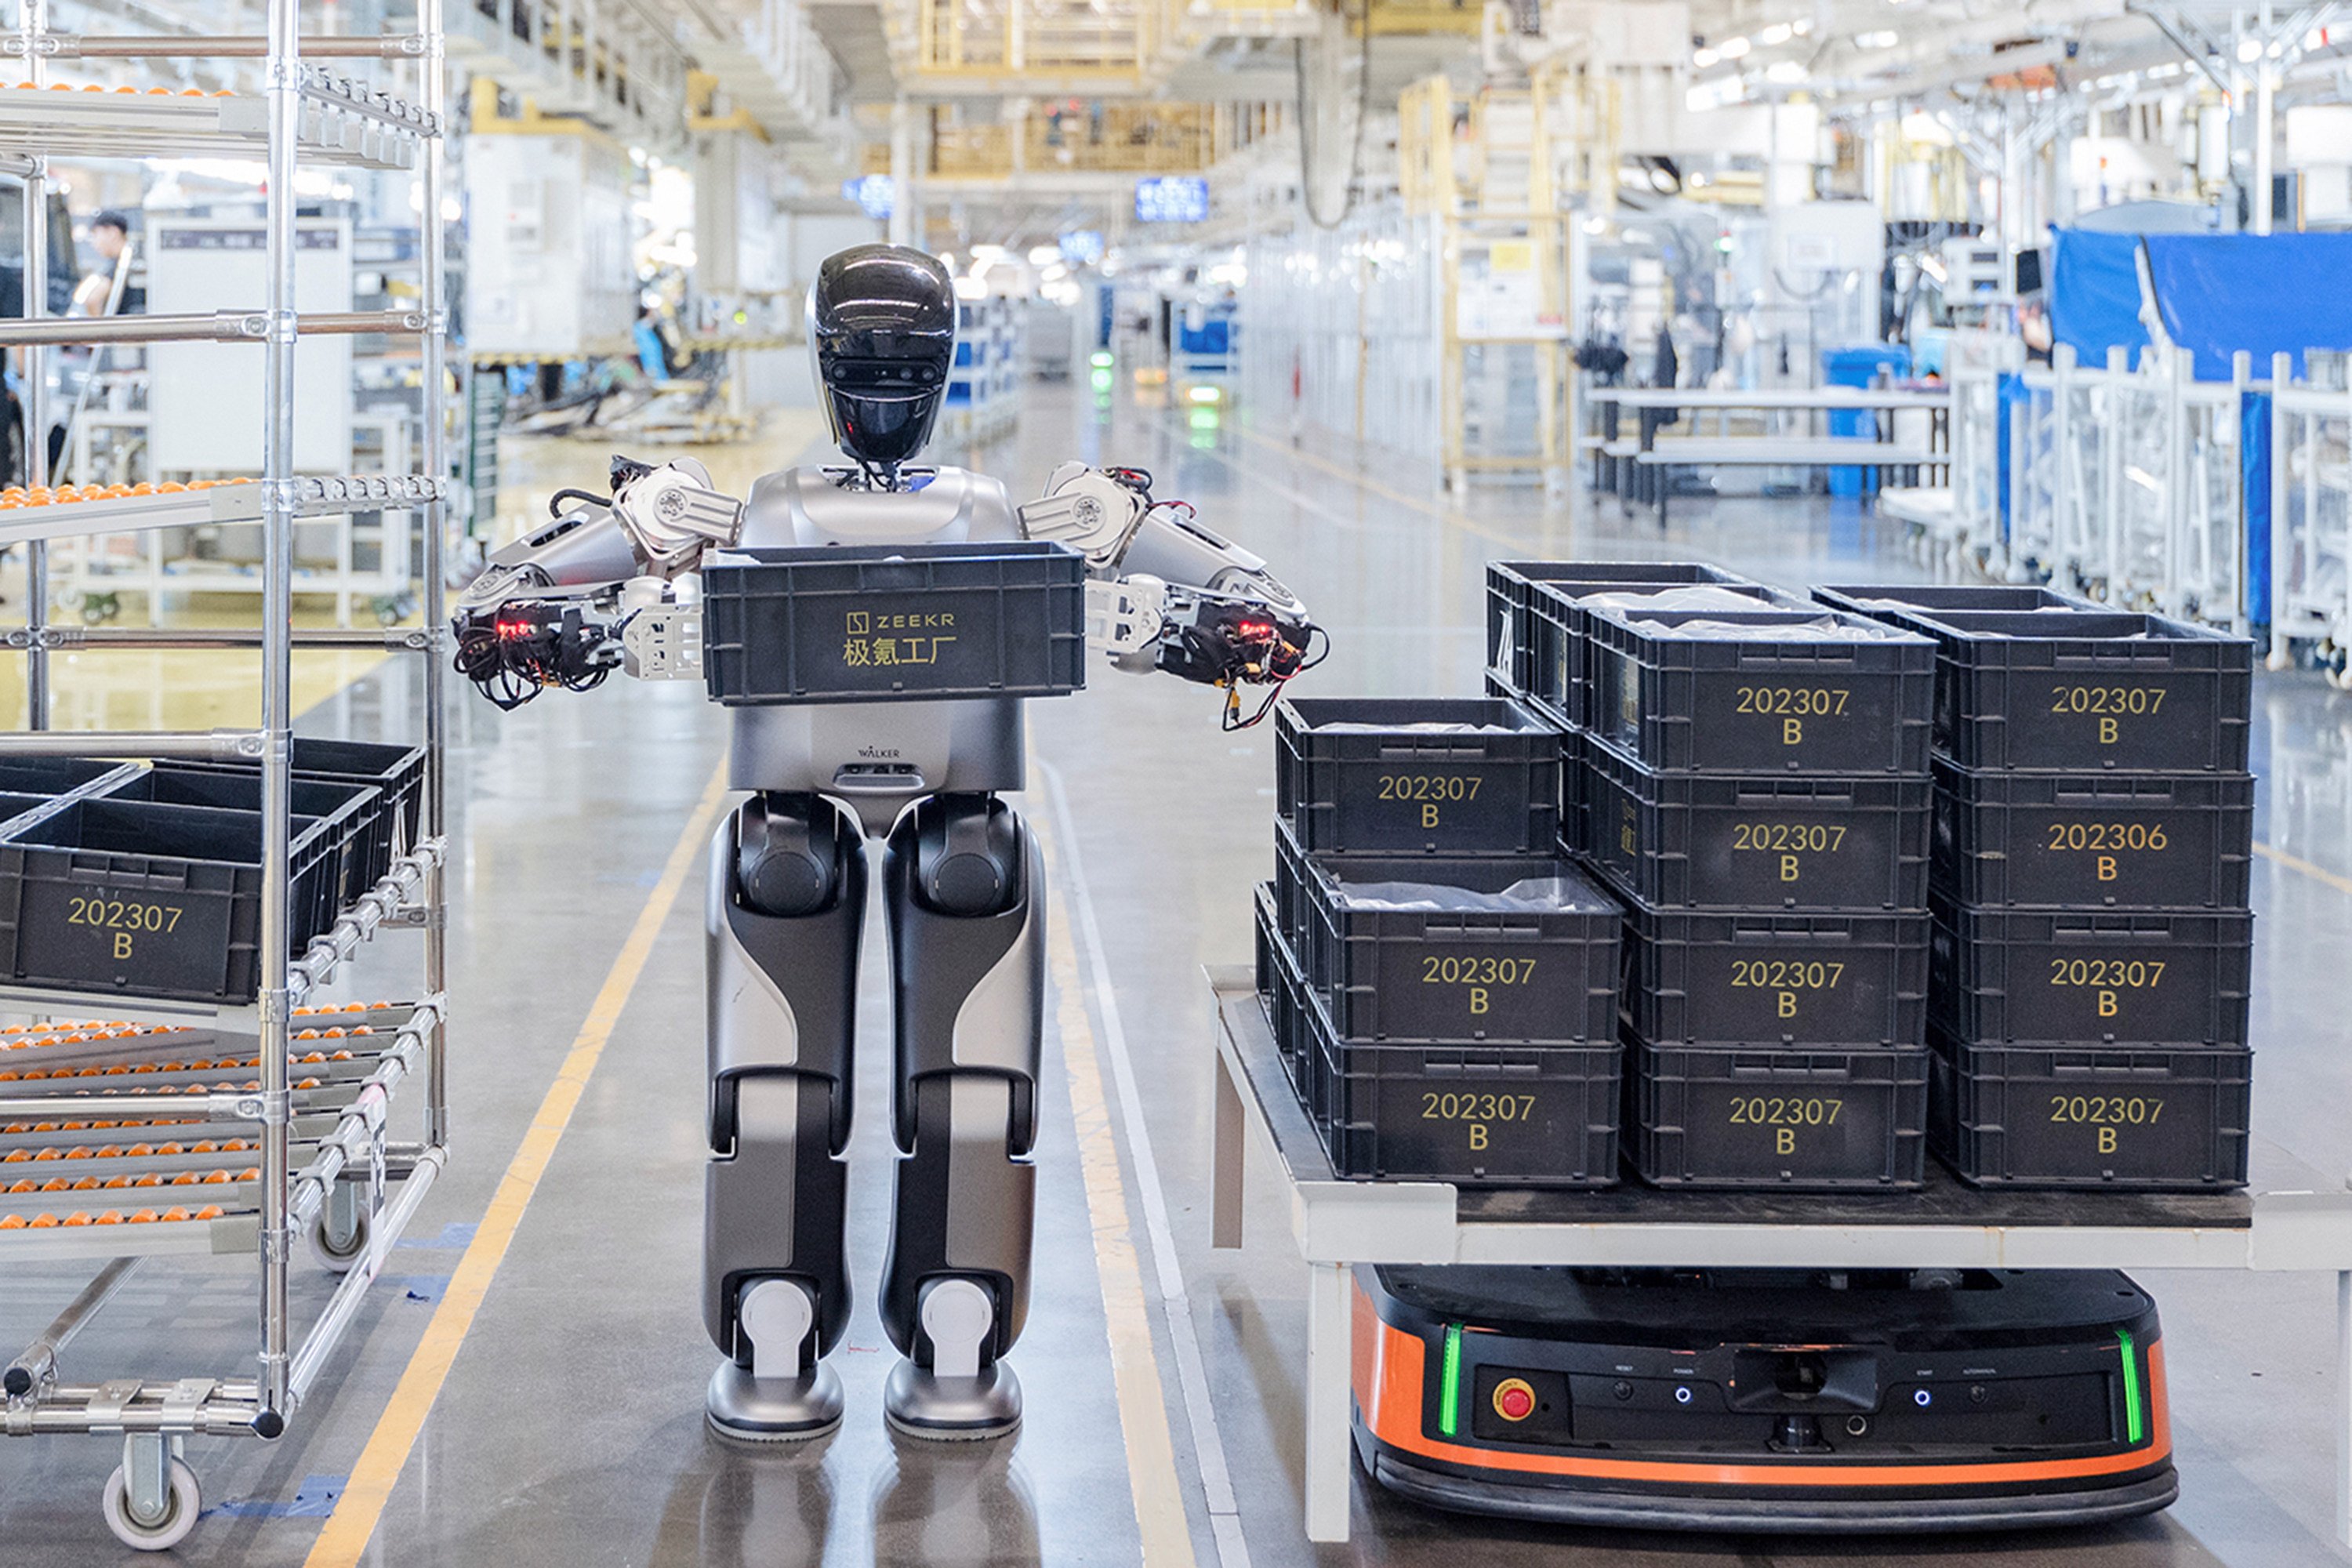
[878,757]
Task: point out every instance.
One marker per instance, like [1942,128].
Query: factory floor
[524,1386]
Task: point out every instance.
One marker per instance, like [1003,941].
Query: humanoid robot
[610,581]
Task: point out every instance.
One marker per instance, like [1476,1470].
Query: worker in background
[107,291]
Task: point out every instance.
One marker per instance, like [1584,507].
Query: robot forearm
[566,603]
[1170,594]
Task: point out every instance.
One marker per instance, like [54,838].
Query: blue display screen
[1171,198]
[874,193]
[1082,246]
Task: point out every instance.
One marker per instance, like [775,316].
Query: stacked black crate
[1443,980]
[2093,944]
[1537,616]
[1758,795]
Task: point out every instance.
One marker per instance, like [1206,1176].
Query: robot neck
[879,476]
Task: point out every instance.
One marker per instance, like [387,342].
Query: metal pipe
[224,1105]
[38,1363]
[221,326]
[390,1221]
[432,91]
[393,639]
[246,45]
[284,88]
[2265,120]
[214,745]
[34,18]
[232,1412]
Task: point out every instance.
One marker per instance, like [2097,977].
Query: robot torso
[878,757]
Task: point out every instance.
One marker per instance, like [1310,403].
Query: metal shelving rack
[354,1190]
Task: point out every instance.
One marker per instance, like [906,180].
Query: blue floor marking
[315,1498]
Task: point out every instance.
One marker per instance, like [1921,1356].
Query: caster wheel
[339,1260]
[182,1504]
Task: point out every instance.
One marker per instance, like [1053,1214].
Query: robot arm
[1168,594]
[598,585]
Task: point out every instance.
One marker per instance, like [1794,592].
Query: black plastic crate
[1559,617]
[1757,979]
[145,899]
[2092,840]
[55,776]
[898,621]
[2086,691]
[395,772]
[2014,976]
[1427,950]
[2154,1118]
[1291,882]
[1701,841]
[1417,775]
[1575,805]
[1779,1118]
[1495,1115]
[350,814]
[1896,600]
[1512,638]
[1282,988]
[1793,692]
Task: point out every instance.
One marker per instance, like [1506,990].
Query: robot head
[881,326]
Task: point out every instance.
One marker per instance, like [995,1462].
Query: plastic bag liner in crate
[1895,600]
[1765,691]
[1460,949]
[2074,692]
[1560,614]
[894,622]
[1513,642]
[396,772]
[1758,978]
[350,812]
[1492,1115]
[145,900]
[1779,1118]
[2093,840]
[2014,976]
[2151,1117]
[1766,841]
[1417,775]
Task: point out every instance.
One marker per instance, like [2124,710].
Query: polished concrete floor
[568,1430]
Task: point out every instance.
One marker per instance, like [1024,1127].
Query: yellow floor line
[2317,874]
[1134,1366]
[360,1507]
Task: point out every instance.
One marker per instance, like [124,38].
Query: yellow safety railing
[1008,39]
[1397,18]
[1094,138]
[1122,139]
[1509,152]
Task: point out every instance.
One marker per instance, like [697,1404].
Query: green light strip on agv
[1449,1390]
[2135,1425]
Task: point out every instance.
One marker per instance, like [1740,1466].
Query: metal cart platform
[2292,1219]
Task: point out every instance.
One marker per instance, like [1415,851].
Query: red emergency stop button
[1513,1400]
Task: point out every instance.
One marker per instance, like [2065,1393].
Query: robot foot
[774,1409]
[919,1403]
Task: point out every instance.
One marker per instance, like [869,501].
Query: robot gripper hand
[1169,594]
[606,582]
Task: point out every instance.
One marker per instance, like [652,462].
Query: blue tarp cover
[2094,294]
[2279,293]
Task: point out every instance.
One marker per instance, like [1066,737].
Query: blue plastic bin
[1860,366]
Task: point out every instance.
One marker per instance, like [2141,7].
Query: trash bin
[1860,366]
